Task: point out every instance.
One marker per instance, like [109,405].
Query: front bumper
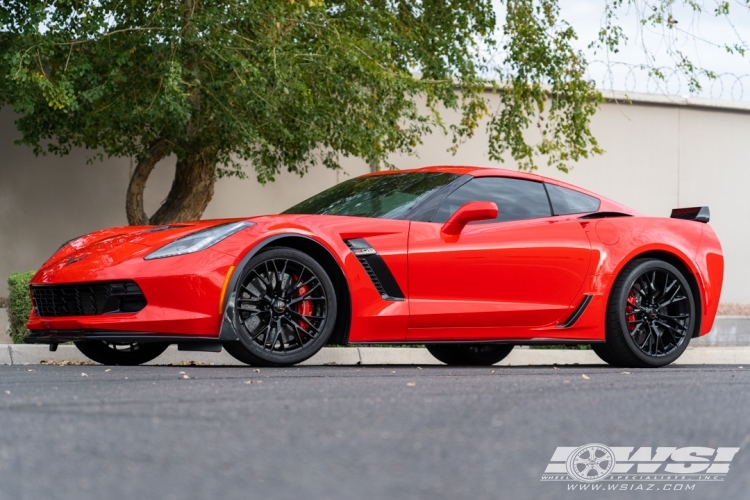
[182,295]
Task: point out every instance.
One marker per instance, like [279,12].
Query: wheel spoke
[305,315]
[276,333]
[659,341]
[281,336]
[671,332]
[295,326]
[283,271]
[668,287]
[261,331]
[671,329]
[276,277]
[306,283]
[671,298]
[675,317]
[673,301]
[305,320]
[250,292]
[635,330]
[648,337]
[677,326]
[305,295]
[262,279]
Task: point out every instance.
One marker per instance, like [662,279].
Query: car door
[522,269]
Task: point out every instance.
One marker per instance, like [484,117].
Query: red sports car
[469,261]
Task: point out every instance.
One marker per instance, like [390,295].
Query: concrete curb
[353,356]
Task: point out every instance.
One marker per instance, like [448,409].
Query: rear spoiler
[700,214]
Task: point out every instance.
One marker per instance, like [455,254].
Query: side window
[566,201]
[516,199]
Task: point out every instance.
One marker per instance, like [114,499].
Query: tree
[289,83]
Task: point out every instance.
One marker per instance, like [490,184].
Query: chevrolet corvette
[468,261]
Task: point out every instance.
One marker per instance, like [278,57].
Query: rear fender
[677,241]
[710,262]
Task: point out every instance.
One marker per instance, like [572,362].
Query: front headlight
[198,241]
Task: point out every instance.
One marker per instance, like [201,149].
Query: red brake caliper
[305,307]
[630,310]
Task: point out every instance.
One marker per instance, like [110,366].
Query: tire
[285,309]
[601,351]
[110,353]
[470,354]
[651,316]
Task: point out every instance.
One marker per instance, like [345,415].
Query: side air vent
[376,269]
[373,277]
[578,312]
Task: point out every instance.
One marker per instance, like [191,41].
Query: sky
[704,32]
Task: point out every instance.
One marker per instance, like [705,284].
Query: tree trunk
[134,199]
[192,190]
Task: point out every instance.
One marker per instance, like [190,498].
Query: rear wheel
[285,309]
[470,354]
[651,316]
[113,353]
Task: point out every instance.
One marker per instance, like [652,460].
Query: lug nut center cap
[279,306]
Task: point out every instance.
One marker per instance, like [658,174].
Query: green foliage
[289,84]
[19,304]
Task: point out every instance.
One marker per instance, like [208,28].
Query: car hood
[112,246]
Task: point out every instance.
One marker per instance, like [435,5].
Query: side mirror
[471,212]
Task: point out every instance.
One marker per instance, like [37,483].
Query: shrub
[19,305]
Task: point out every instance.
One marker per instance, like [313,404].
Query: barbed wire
[635,78]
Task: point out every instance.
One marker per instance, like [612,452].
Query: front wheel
[651,316]
[285,309]
[469,354]
[113,353]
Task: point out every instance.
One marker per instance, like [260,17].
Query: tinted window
[516,199]
[380,196]
[566,201]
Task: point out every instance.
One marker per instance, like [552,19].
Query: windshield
[379,196]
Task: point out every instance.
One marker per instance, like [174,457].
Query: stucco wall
[660,153]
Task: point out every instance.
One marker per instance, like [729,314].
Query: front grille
[87,299]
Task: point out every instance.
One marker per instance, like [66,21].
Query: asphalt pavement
[320,432]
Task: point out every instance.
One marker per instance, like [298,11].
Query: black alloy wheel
[123,354]
[285,309]
[651,316]
[469,354]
